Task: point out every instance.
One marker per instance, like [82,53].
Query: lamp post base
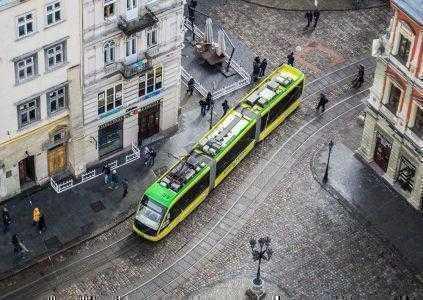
[256,291]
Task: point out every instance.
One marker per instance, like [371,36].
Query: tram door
[382,152]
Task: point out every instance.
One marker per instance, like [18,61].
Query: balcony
[128,71]
[146,20]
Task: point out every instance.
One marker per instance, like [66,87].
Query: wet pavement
[323,5]
[379,206]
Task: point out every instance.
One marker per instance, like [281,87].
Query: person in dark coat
[106,171]
[358,81]
[263,66]
[124,187]
[190,89]
[291,59]
[18,245]
[153,156]
[322,102]
[309,17]
[316,15]
[42,223]
[6,219]
[256,68]
[208,100]
[203,107]
[225,107]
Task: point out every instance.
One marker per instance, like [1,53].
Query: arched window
[109,52]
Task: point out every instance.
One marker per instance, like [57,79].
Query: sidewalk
[374,202]
[324,5]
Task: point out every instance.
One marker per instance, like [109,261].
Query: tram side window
[229,157]
[190,195]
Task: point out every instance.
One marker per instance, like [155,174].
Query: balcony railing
[146,20]
[128,71]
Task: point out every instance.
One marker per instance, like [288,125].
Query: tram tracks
[126,243]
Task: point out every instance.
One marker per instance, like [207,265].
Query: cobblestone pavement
[128,263]
[323,5]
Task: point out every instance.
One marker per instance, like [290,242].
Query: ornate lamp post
[261,252]
[325,177]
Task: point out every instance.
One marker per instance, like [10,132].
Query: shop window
[406,174]
[403,50]
[394,99]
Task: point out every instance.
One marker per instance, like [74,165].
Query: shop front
[110,137]
[148,121]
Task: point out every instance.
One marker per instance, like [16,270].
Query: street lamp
[212,105]
[325,177]
[260,253]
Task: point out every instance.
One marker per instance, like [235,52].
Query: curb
[304,10]
[357,215]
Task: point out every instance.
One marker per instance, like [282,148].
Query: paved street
[320,248]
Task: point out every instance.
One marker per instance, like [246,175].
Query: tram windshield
[150,213]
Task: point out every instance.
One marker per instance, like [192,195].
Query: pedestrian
[152,157]
[190,89]
[209,100]
[309,17]
[203,107]
[114,179]
[147,156]
[291,58]
[106,171]
[124,187]
[36,213]
[6,219]
[225,106]
[42,223]
[358,81]
[322,102]
[316,15]
[263,66]
[256,68]
[18,245]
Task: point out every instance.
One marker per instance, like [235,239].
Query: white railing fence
[68,184]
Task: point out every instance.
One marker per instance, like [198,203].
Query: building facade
[393,132]
[132,73]
[39,63]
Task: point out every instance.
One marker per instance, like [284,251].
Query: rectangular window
[403,50]
[55,55]
[28,112]
[25,24]
[110,99]
[53,13]
[394,99]
[131,46]
[152,38]
[150,82]
[233,153]
[56,100]
[418,123]
[158,78]
[406,174]
[109,8]
[26,68]
[131,4]
[141,86]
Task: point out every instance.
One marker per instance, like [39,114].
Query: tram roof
[224,132]
[279,82]
[177,179]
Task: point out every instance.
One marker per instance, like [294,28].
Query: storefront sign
[107,124]
[146,107]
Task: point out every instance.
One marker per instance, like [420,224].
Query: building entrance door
[56,159]
[382,152]
[148,122]
[27,170]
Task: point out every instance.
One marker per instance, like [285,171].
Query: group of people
[112,180]
[310,15]
[149,155]
[259,68]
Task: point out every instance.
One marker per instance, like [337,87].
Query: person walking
[124,188]
[114,179]
[316,15]
[42,223]
[309,17]
[36,214]
[225,107]
[153,156]
[147,156]
[208,100]
[359,79]
[322,102]
[106,171]
[291,59]
[263,66]
[203,107]
[190,89]
[6,219]
[256,68]
[18,245]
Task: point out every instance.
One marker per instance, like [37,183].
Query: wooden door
[22,171]
[149,122]
[382,152]
[56,158]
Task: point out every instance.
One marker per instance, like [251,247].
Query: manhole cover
[52,243]
[97,206]
[85,229]
[160,171]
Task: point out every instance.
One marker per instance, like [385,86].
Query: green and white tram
[173,196]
